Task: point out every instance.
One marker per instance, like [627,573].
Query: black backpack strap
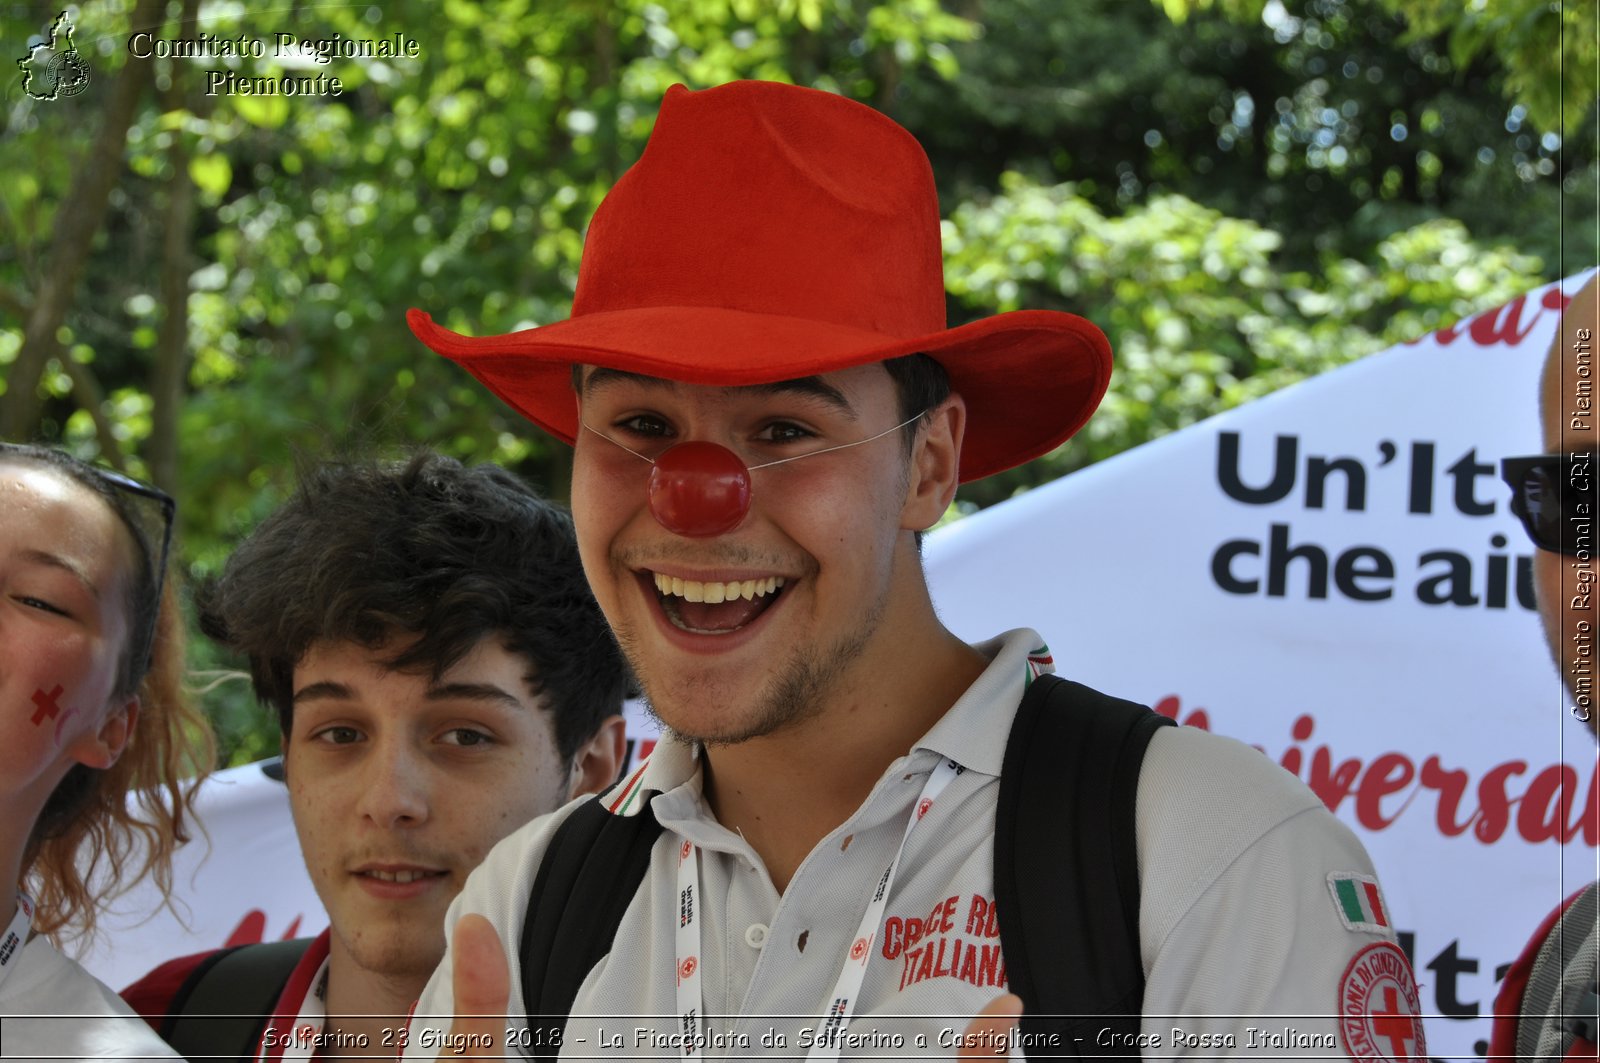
[1066,866]
[590,873]
[221,1008]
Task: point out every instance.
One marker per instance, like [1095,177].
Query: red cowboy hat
[770,232]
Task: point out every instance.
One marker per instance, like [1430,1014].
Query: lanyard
[691,1036]
[16,936]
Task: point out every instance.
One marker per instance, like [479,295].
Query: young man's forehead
[593,379]
[337,668]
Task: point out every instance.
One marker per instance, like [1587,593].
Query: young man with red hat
[767,411]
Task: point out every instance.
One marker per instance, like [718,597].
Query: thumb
[481,985]
[989,1034]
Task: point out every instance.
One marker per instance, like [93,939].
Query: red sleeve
[1508,1004]
[151,996]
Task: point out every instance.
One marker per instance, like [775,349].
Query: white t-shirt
[51,1008]
[1247,948]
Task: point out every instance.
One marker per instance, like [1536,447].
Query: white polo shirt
[1251,944]
[51,1008]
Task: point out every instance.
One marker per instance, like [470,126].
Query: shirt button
[755,935]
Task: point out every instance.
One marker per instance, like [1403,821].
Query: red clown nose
[699,489]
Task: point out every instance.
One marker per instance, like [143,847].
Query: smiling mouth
[713,608]
[402,877]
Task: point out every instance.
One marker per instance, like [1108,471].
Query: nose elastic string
[700,489]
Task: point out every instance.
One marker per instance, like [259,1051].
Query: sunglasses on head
[1554,496]
[164,509]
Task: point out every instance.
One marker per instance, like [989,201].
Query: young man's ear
[100,747]
[598,761]
[935,465]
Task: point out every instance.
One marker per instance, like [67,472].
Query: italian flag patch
[1039,663]
[1358,902]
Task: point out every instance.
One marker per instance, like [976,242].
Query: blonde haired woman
[91,712]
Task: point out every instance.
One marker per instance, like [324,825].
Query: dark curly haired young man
[442,675]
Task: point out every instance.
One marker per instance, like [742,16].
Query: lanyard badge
[691,1035]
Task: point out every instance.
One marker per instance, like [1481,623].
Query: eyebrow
[600,377]
[323,691]
[53,560]
[474,692]
[328,690]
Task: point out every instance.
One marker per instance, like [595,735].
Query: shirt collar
[975,730]
[973,733]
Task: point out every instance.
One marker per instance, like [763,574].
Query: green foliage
[1332,126]
[1549,49]
[1524,36]
[1239,204]
[1199,310]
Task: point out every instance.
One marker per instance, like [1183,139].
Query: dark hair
[922,385]
[429,548]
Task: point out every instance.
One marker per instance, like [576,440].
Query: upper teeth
[398,876]
[693,590]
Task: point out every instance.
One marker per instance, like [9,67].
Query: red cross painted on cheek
[47,704]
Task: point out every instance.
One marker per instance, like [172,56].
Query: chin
[403,949]
[400,960]
[792,692]
[686,714]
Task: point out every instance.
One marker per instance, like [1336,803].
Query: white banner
[1332,575]
[241,880]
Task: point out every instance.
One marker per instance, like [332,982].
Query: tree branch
[13,304]
[92,397]
[77,220]
[172,341]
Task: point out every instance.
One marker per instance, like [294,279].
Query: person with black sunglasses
[1548,1007]
[91,714]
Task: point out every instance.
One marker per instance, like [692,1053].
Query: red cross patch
[1379,1016]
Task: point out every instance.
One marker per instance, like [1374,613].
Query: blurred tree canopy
[206,288]
[1547,49]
